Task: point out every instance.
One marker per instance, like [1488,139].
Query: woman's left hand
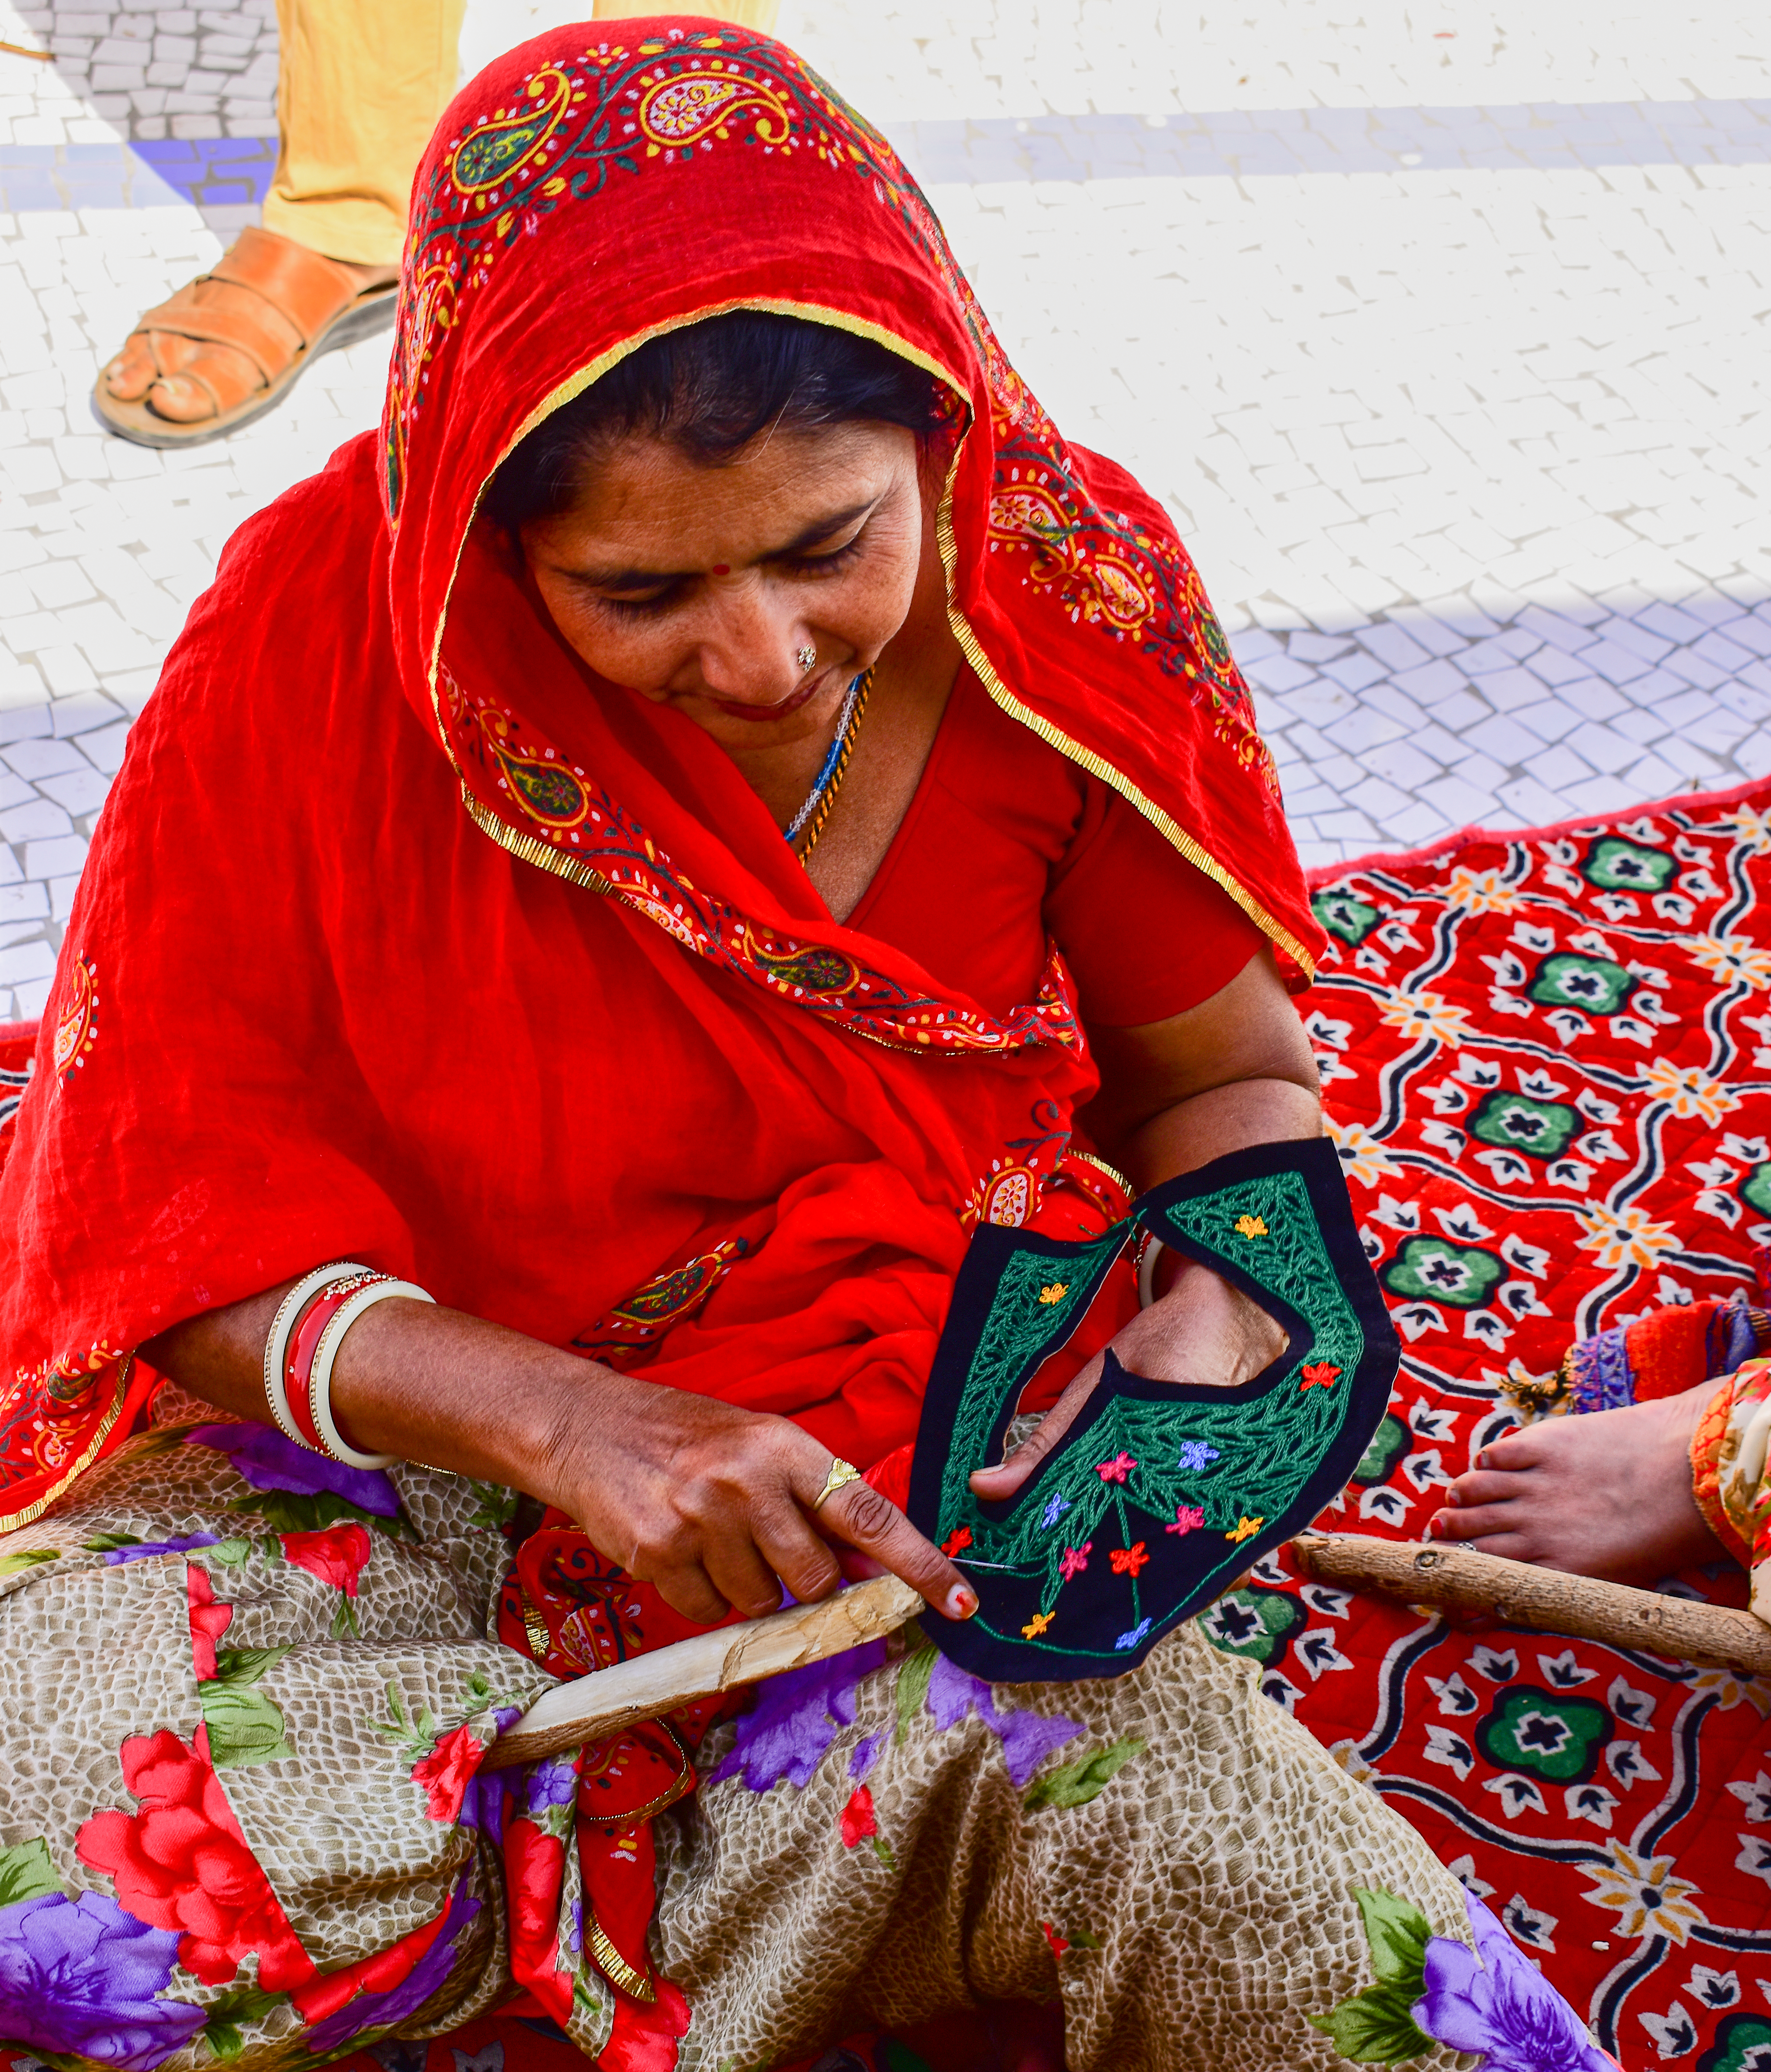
[1203,1332]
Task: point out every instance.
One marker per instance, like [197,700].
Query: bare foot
[1608,1494]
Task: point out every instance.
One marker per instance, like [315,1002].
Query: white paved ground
[1443,331]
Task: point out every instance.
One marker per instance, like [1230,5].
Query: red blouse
[1008,840]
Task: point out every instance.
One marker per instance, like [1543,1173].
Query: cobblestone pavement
[1443,332]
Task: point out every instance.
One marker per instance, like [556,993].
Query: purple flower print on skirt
[83,1976]
[1501,2010]
[116,1556]
[553,1781]
[400,2003]
[268,1460]
[794,1718]
[1027,1738]
[483,1803]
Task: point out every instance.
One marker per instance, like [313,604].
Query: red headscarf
[609,1076]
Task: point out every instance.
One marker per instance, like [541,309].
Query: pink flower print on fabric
[1116,1469]
[1075,1559]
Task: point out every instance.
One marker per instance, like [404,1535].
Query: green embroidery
[1617,866]
[1434,1269]
[1075,1783]
[1376,2027]
[1541,1130]
[1220,1469]
[1594,983]
[1552,1734]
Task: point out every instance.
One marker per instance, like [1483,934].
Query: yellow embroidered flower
[1691,1091]
[1623,1237]
[1727,958]
[1481,892]
[1427,1014]
[1056,1292]
[1245,1528]
[1037,1624]
[1647,1901]
[1364,1159]
[1251,1227]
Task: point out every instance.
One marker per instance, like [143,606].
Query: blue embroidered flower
[1196,1456]
[1130,1639]
[1056,1508]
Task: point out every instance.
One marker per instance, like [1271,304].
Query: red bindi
[721,568]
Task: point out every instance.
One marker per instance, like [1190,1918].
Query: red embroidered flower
[1128,1560]
[858,1823]
[447,1771]
[1318,1374]
[956,1543]
[1074,1561]
[337,1555]
[1059,1944]
[182,1864]
[209,1621]
[1116,1469]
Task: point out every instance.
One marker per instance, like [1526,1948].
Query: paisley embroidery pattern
[612,111]
[638,1326]
[76,1026]
[598,842]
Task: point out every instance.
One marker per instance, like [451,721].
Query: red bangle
[304,1342]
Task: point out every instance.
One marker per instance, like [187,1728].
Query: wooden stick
[25,51]
[1516,1594]
[590,1708]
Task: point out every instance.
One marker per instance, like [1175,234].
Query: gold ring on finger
[842,1473]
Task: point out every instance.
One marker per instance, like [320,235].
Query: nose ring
[805,658]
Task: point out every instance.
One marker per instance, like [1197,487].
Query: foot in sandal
[1607,1494]
[229,347]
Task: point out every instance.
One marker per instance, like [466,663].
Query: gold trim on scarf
[532,849]
[575,384]
[32,1512]
[612,1964]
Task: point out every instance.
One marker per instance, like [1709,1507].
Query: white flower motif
[1481,892]
[1727,958]
[1623,1237]
[1363,1158]
[1689,1089]
[1427,1014]
[1647,1898]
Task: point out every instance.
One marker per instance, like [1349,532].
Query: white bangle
[319,1386]
[1146,1273]
[282,1324]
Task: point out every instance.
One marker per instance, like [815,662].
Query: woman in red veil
[482,1185]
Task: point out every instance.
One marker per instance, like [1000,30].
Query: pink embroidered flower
[858,1823]
[1188,1518]
[337,1555]
[209,1621]
[1116,1469]
[1128,1560]
[1074,1561]
[446,1772]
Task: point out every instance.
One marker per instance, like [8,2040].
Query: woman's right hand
[712,1504]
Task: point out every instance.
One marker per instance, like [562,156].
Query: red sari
[404,938]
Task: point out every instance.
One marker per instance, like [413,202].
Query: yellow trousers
[361,89]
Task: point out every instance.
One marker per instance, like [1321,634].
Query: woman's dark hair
[709,389]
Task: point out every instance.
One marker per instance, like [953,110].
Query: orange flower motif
[1319,1374]
[1245,1528]
[1128,1560]
[1037,1624]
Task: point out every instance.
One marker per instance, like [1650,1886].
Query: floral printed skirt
[244,1694]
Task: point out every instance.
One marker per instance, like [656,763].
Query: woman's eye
[824,565]
[636,607]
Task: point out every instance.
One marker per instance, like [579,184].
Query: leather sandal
[230,346]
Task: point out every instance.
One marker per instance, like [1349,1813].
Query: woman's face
[697,586]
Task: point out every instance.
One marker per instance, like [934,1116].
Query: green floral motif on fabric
[1553,1735]
[1754,1191]
[1616,865]
[26,1872]
[244,1726]
[1435,1269]
[1254,1623]
[1219,1469]
[1743,2044]
[1343,915]
[1376,2027]
[1594,983]
[1391,1439]
[1541,1130]
[1076,1783]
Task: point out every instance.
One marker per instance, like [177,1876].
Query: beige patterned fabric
[1188,1851]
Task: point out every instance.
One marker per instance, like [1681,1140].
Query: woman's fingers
[992,1484]
[858,1513]
[688,1588]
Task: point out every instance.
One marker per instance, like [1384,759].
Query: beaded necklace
[823,794]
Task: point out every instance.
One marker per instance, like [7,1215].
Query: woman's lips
[788,705]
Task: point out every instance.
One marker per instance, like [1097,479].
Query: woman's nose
[750,653]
